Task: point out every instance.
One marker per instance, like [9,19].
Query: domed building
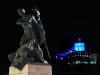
[78,54]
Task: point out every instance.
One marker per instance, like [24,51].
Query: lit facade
[77,55]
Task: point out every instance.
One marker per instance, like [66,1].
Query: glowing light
[86,62]
[92,62]
[56,57]
[76,62]
[87,56]
[66,53]
[61,58]
[79,46]
[68,63]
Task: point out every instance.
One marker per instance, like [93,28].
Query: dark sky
[63,22]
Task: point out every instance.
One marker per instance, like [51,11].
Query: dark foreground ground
[76,70]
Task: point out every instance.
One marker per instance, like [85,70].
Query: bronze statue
[33,36]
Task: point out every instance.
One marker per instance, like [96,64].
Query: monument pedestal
[32,69]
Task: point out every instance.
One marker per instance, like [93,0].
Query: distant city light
[68,63]
[77,55]
[56,56]
[61,58]
[92,62]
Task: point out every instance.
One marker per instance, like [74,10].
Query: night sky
[63,22]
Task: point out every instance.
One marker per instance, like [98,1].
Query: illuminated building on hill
[77,55]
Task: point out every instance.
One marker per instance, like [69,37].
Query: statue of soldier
[33,36]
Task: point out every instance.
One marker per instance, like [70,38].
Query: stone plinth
[32,69]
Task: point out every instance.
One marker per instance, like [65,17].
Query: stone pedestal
[32,69]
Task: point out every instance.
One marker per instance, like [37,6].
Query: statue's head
[21,11]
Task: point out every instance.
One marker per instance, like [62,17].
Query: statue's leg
[40,53]
[37,53]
